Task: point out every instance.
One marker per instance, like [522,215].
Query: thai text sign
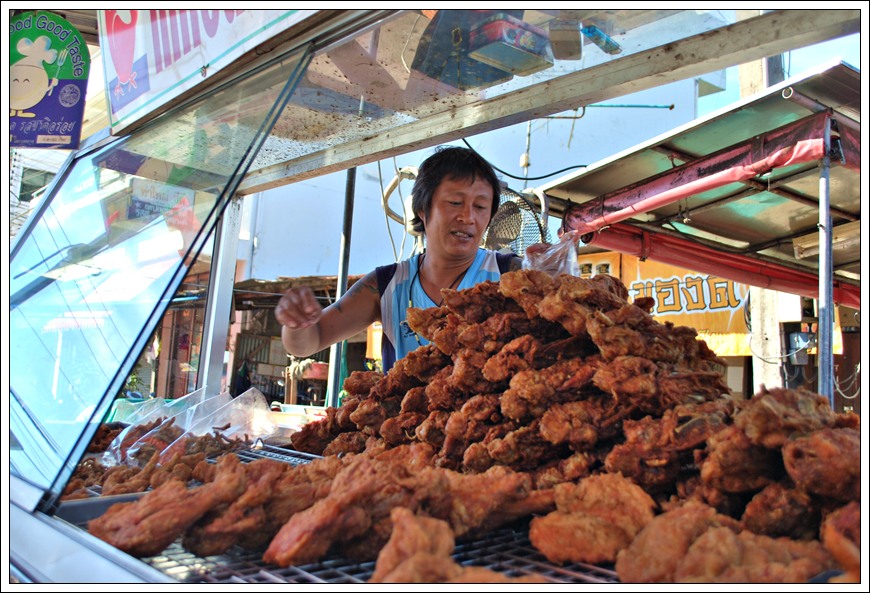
[151,57]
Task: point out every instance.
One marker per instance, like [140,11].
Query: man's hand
[298,308]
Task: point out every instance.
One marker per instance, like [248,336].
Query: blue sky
[848,49]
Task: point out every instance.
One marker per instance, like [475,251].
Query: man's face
[459,216]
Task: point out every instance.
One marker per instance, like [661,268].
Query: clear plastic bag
[554,259]
[244,418]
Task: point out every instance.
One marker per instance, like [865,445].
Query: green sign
[48,81]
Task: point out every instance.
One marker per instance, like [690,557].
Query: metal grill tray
[506,550]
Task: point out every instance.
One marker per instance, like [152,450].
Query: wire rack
[506,550]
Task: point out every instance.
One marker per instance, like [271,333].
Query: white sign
[153,56]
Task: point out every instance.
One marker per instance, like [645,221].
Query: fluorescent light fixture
[846,236]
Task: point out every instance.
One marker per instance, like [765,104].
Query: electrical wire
[775,359]
[386,217]
[529,178]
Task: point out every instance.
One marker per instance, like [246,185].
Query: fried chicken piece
[124,479]
[445,335]
[478,303]
[772,416]
[615,286]
[341,421]
[361,495]
[841,535]
[431,430]
[415,400]
[569,469]
[690,487]
[496,331]
[299,487]
[581,424]
[524,448]
[314,436]
[103,437]
[242,521]
[347,442]
[442,393]
[577,537]
[733,464]
[659,548]
[653,388]
[469,424]
[401,428]
[611,496]
[88,473]
[593,521]
[482,575]
[467,375]
[528,351]
[826,462]
[145,527]
[398,380]
[422,363]
[782,511]
[532,392]
[361,382]
[528,288]
[418,551]
[371,413]
[656,449]
[365,491]
[412,535]
[428,322]
[720,555]
[476,458]
[180,468]
[576,299]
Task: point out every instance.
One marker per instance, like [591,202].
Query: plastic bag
[236,424]
[160,426]
[138,412]
[554,259]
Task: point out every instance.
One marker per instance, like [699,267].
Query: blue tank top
[399,291]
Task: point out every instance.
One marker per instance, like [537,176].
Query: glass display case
[103,256]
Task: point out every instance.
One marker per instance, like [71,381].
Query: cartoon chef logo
[29,81]
[49,63]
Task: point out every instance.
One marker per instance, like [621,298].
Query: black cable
[529,178]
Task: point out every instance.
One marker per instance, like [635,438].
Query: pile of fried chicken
[552,401]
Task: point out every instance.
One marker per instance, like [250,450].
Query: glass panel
[94,271]
[425,62]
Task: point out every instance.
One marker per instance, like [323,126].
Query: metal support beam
[825,348]
[220,298]
[752,39]
[336,351]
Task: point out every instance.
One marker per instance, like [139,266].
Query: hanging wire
[776,359]
[505,173]
[849,381]
[386,216]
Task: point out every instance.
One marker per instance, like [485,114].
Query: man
[455,196]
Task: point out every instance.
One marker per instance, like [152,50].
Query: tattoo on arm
[516,264]
[367,284]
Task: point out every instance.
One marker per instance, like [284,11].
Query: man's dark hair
[449,162]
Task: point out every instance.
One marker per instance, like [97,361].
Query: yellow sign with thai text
[715,307]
